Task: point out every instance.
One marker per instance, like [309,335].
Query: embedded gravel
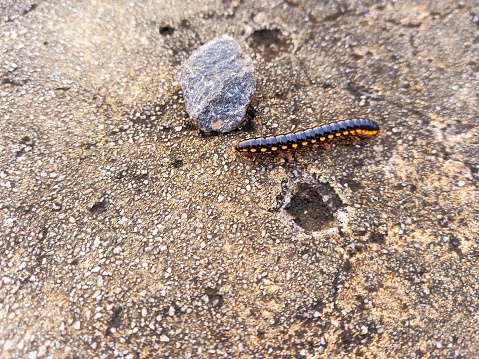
[127,233]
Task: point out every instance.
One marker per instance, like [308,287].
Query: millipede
[321,133]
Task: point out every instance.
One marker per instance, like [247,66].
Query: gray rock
[218,82]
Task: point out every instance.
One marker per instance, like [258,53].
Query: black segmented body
[357,126]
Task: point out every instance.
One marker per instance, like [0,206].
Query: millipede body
[357,126]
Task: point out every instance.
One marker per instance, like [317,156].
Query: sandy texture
[126,233]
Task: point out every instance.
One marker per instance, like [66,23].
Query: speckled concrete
[126,233]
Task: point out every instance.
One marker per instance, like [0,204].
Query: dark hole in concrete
[115,320]
[214,297]
[178,163]
[166,30]
[25,140]
[265,37]
[30,8]
[270,43]
[455,246]
[281,95]
[313,207]
[99,207]
[454,242]
[377,237]
[249,123]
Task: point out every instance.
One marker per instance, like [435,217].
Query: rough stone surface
[217,82]
[126,233]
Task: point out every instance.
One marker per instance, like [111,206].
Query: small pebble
[164,338]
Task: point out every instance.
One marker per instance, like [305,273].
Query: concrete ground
[126,233]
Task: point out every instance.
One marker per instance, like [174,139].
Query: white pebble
[8,344]
[42,350]
[164,338]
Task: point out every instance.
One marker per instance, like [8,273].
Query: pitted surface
[126,233]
